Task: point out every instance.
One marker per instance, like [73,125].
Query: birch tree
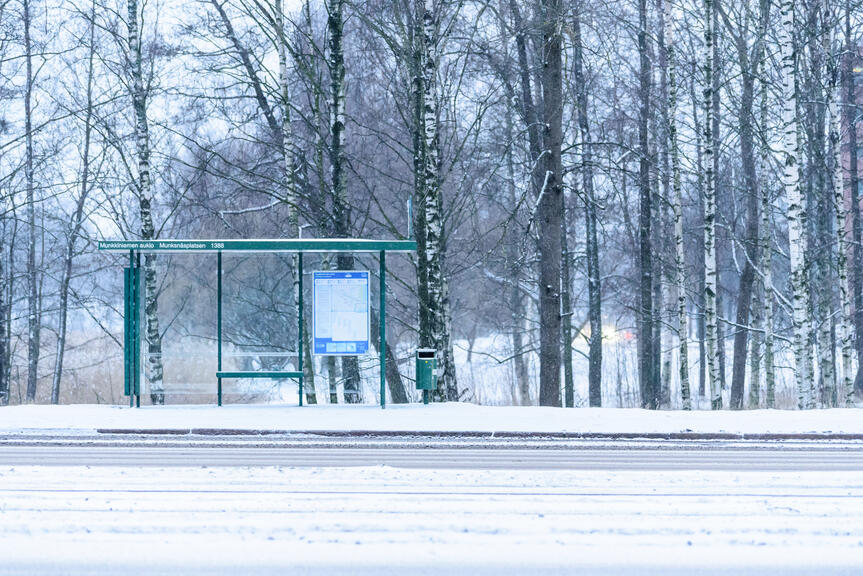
[845,393]
[436,332]
[796,210]
[677,209]
[710,268]
[849,93]
[144,192]
[291,198]
[766,244]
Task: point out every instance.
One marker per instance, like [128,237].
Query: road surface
[242,506]
[571,456]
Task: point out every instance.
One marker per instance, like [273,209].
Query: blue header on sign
[338,274]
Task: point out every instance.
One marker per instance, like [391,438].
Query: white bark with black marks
[677,209]
[143,189]
[710,268]
[796,211]
[845,392]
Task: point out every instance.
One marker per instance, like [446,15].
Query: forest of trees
[677,179]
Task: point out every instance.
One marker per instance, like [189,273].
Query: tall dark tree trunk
[530,119]
[819,196]
[594,288]
[338,180]
[393,376]
[748,66]
[33,305]
[646,371]
[549,203]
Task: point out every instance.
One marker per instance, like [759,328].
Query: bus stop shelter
[133,296]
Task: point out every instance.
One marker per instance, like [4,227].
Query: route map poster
[340,313]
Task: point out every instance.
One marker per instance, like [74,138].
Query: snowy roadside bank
[441,419]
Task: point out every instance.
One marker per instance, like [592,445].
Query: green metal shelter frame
[132,295]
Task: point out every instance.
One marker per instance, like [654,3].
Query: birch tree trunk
[766,246]
[77,222]
[758,305]
[755,347]
[710,273]
[845,392]
[850,101]
[566,308]
[34,327]
[594,288]
[9,294]
[796,210]
[435,316]
[702,253]
[291,198]
[677,210]
[647,373]
[143,188]
[767,311]
[438,288]
[516,299]
[548,204]
[662,201]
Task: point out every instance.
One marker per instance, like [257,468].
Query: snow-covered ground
[452,417]
[381,520]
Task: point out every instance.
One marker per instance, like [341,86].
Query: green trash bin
[426,376]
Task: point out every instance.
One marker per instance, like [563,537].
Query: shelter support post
[219,322]
[136,290]
[383,345]
[300,322]
[131,353]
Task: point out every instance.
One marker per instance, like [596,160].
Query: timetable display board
[340,323]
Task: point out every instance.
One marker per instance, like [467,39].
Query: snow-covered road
[547,455]
[391,520]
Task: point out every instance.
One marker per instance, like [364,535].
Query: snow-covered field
[380,520]
[451,417]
